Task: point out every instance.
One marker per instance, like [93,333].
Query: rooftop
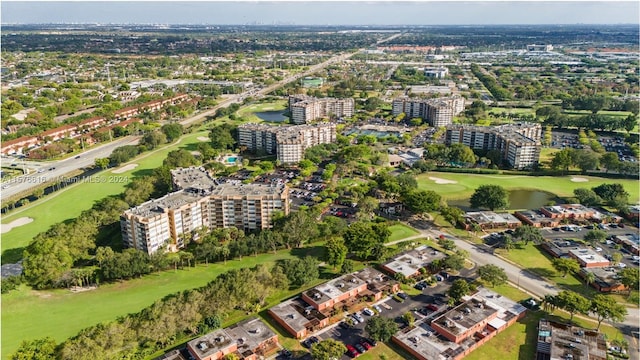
[296,313]
[605,276]
[258,190]
[171,201]
[409,262]
[490,217]
[588,256]
[247,335]
[560,340]
[334,288]
[465,316]
[192,177]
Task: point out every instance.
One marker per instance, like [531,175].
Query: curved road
[530,282]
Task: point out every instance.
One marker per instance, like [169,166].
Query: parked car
[351,351]
[377,308]
[403,296]
[358,317]
[366,345]
[372,342]
[307,344]
[314,340]
[360,348]
[432,307]
[419,286]
[530,303]
[598,249]
[286,353]
[344,325]
[368,311]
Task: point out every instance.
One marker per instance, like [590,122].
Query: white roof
[497,323]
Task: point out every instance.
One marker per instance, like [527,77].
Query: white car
[377,308]
[359,317]
[368,311]
[598,249]
[622,265]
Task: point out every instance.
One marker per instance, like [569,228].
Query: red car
[366,345]
[351,351]
[432,307]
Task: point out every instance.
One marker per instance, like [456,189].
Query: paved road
[60,168]
[532,283]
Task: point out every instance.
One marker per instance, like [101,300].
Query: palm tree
[549,303]
[589,278]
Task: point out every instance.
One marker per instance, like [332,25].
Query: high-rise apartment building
[438,112]
[518,143]
[166,222]
[287,142]
[306,108]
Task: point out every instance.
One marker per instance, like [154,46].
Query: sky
[321,12]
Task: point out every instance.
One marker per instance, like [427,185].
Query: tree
[172,131]
[102,163]
[381,328]
[586,160]
[616,257]
[549,303]
[347,267]
[299,227]
[595,236]
[611,192]
[563,159]
[528,233]
[565,265]
[421,201]
[366,207]
[610,161]
[607,308]
[300,271]
[589,278]
[492,274]
[179,158]
[587,197]
[38,193]
[461,154]
[328,349]
[454,261]
[408,318]
[222,137]
[458,289]
[572,303]
[40,349]
[490,196]
[362,238]
[336,252]
[630,277]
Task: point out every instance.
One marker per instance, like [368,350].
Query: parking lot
[432,297]
[573,232]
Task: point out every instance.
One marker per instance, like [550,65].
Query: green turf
[247,112]
[70,202]
[401,231]
[518,342]
[558,185]
[29,314]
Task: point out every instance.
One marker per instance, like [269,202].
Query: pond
[518,199]
[272,116]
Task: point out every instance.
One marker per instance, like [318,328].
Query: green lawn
[70,202]
[518,342]
[247,112]
[30,314]
[535,259]
[401,231]
[562,186]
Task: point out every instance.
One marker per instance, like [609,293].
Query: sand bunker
[15,223]
[202,138]
[442,181]
[579,179]
[125,168]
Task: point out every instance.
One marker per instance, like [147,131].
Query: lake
[518,199]
[272,116]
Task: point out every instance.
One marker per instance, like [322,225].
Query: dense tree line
[555,116]
[498,92]
[188,313]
